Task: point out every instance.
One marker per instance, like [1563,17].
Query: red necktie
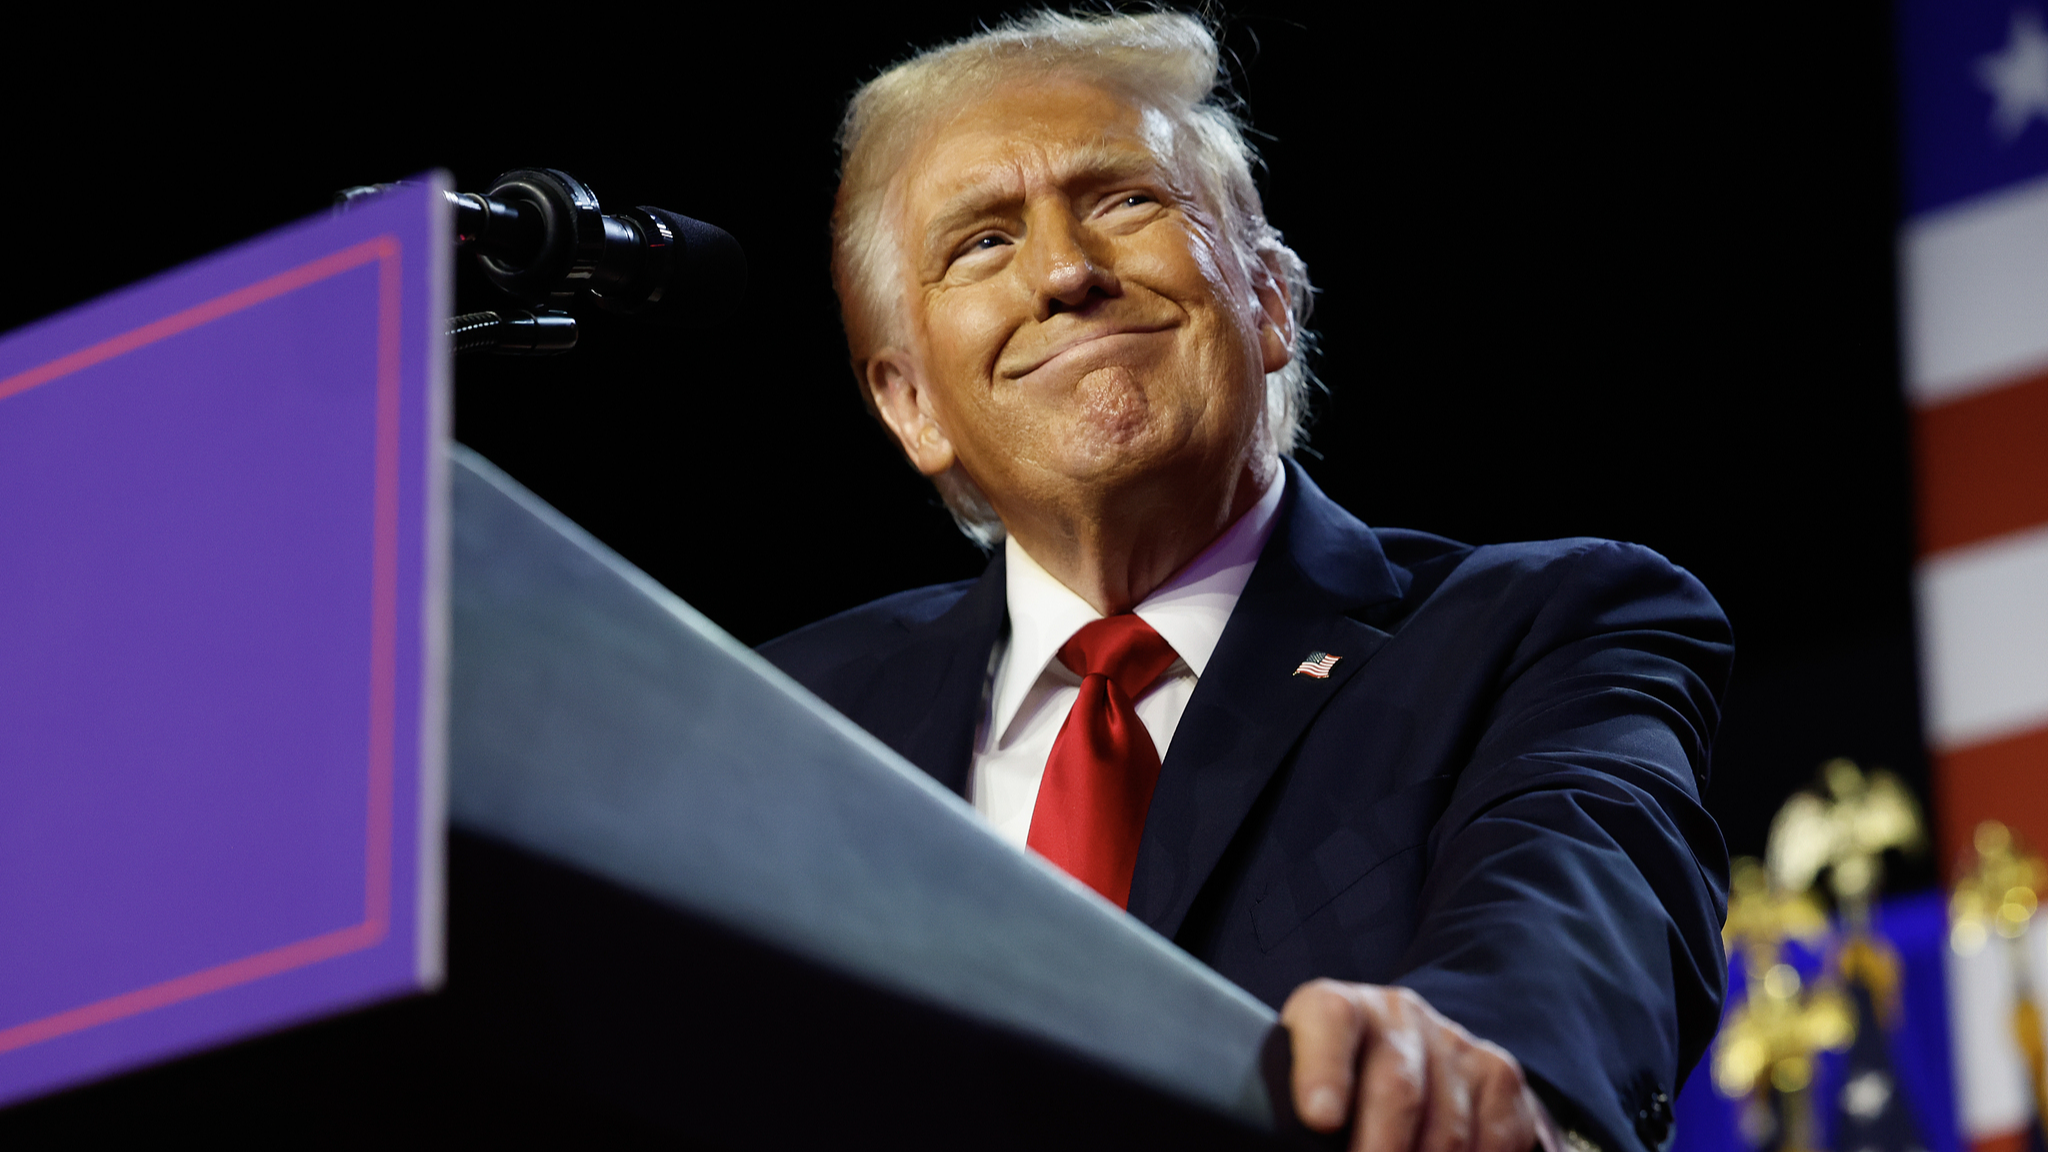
[1098,781]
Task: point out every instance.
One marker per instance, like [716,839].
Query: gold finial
[1762,916]
[1769,1041]
[1845,834]
[1767,1047]
[1999,896]
[1772,1038]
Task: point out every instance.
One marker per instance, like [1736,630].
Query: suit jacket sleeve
[1576,887]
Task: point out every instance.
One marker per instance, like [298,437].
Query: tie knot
[1123,648]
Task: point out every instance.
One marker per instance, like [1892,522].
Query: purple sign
[222,646]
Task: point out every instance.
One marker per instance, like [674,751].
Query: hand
[1412,1079]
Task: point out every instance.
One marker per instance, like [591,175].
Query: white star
[2018,76]
[1865,1096]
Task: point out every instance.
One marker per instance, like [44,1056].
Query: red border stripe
[289,280]
[383,595]
[377,849]
[354,938]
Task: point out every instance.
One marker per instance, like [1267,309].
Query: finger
[1446,1124]
[1394,1091]
[1504,1111]
[1324,1027]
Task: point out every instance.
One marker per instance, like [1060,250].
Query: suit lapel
[1250,707]
[933,684]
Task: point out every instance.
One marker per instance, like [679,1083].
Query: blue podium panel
[222,496]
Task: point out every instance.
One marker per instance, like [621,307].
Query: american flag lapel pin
[1317,665]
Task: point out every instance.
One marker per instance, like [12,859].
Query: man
[1441,803]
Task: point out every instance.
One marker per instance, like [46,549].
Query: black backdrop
[1619,276]
[1580,274]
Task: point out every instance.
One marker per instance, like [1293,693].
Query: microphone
[541,236]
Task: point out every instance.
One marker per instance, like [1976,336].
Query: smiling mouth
[1078,344]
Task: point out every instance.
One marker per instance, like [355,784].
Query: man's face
[1075,321]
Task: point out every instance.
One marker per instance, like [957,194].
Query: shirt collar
[1189,611]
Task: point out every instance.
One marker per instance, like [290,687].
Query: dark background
[1581,274]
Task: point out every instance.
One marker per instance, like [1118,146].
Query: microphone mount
[514,333]
[540,235]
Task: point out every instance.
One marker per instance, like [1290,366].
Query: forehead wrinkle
[1003,184]
[978,193]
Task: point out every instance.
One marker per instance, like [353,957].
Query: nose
[1069,267]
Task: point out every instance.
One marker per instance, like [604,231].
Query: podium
[600,722]
[686,898]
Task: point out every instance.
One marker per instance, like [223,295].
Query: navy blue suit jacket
[1494,799]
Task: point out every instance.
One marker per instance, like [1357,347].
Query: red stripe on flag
[2003,1142]
[1983,464]
[2005,780]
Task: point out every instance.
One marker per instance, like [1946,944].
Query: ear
[1276,322]
[895,381]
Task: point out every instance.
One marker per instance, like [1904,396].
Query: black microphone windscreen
[707,274]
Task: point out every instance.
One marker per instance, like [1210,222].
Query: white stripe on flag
[1990,1074]
[1974,286]
[1984,639]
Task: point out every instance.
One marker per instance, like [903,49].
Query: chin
[1141,458]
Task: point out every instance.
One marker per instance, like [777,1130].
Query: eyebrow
[983,197]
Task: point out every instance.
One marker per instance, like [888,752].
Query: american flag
[1974,261]
[1317,665]
[1974,269]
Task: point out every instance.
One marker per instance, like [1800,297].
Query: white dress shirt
[1030,692]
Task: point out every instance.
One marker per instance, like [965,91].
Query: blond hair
[1163,60]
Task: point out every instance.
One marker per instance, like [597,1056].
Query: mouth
[1094,340]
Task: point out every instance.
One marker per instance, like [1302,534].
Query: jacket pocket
[1394,825]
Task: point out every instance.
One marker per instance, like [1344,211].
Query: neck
[1114,549]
